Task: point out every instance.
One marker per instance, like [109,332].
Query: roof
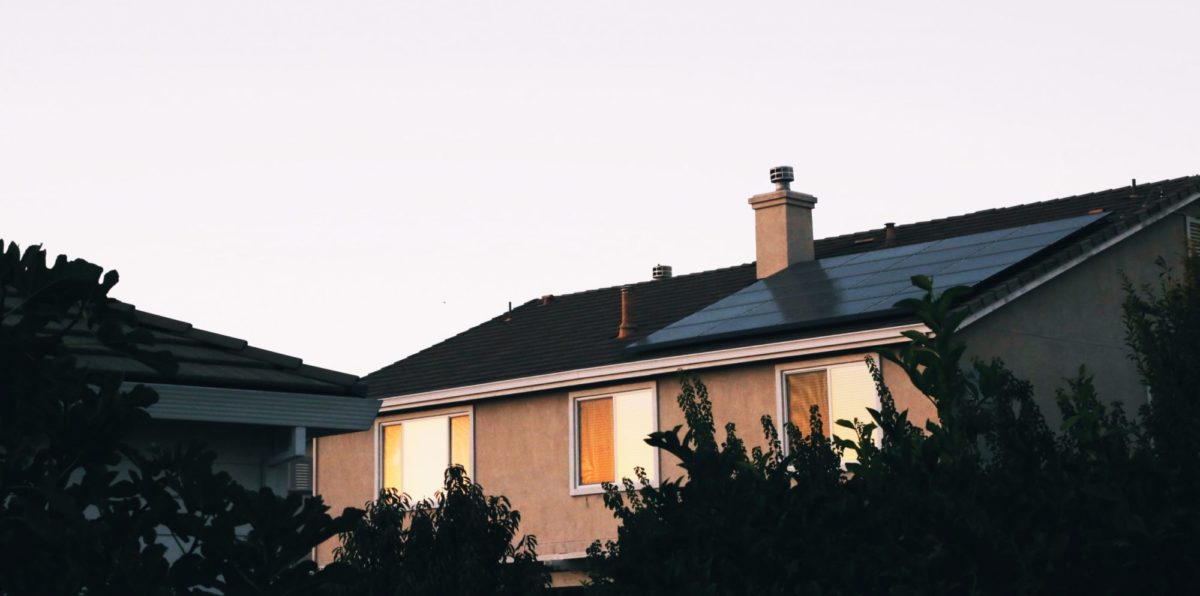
[579,330]
[830,291]
[210,359]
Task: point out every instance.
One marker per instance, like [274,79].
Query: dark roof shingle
[211,360]
[577,331]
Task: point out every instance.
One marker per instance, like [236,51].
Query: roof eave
[862,339]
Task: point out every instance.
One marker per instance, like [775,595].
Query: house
[544,403]
[259,411]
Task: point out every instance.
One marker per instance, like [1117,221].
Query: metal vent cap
[661,272]
[782,177]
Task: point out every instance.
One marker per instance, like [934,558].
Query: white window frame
[467,409]
[781,408]
[575,397]
[1189,224]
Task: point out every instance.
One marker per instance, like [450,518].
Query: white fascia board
[1063,268]
[332,413]
[656,366]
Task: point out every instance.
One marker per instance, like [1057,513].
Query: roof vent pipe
[889,233]
[661,272]
[628,327]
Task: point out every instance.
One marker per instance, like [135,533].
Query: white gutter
[655,366]
[1063,268]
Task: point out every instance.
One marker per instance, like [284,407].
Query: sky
[351,182]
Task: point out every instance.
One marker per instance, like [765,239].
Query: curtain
[392,440]
[596,457]
[460,442]
[805,390]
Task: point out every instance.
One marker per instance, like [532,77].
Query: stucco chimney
[783,233]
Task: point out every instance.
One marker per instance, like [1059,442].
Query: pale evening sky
[350,182]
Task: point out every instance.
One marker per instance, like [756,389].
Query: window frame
[781,405]
[1191,227]
[467,410]
[577,489]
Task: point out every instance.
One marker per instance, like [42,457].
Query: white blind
[633,416]
[424,454]
[852,391]
[595,436]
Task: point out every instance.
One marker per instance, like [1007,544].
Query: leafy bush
[70,522]
[458,542]
[1164,326]
[987,499]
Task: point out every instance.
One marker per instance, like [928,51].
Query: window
[415,453]
[840,392]
[1193,235]
[608,432]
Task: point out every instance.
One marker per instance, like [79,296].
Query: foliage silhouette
[80,510]
[460,541]
[987,499]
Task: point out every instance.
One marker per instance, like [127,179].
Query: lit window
[842,392]
[609,434]
[417,452]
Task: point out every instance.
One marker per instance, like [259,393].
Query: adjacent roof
[579,330]
[208,359]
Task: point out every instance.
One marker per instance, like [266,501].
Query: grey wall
[1045,335]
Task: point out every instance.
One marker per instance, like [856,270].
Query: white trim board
[654,366]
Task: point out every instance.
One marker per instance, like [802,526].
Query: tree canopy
[986,499]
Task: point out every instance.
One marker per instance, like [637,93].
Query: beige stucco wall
[522,448]
[344,473]
[1045,335]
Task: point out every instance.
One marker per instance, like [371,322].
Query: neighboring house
[544,403]
[259,411]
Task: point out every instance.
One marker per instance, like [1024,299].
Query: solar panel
[858,285]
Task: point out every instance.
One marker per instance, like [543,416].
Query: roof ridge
[1013,207]
[448,339]
[648,281]
[534,301]
[861,232]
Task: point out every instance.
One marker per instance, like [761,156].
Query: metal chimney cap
[661,272]
[782,177]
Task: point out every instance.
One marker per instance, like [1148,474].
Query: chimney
[889,234]
[628,327]
[783,232]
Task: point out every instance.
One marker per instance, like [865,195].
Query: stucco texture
[1045,335]
[345,476]
[522,448]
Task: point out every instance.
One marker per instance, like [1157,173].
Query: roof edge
[1082,250]
[657,366]
[350,383]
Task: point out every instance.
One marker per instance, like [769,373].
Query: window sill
[587,490]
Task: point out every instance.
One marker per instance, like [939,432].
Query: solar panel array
[858,285]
